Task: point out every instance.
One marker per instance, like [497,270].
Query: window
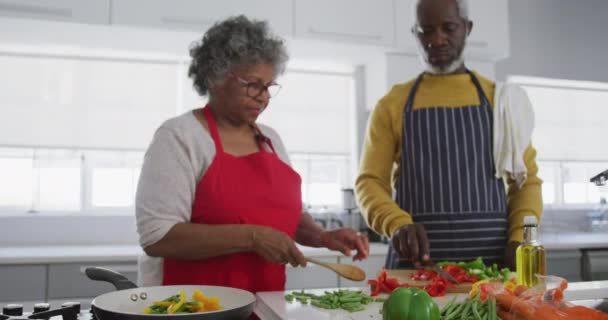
[549,172]
[113,178]
[68,180]
[321,140]
[16,179]
[323,177]
[570,122]
[72,138]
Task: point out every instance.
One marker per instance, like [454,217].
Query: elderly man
[432,141]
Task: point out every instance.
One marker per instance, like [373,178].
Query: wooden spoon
[347,271]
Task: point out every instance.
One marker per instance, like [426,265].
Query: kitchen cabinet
[69,281]
[489,38]
[313,276]
[199,15]
[22,282]
[355,21]
[594,264]
[372,265]
[96,11]
[564,263]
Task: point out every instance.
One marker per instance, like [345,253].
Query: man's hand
[345,240]
[410,242]
[510,254]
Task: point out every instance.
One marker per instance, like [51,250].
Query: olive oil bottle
[530,255]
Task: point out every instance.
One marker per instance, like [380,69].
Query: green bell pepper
[410,304]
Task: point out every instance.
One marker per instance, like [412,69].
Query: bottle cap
[530,221]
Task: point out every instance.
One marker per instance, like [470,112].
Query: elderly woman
[217,202]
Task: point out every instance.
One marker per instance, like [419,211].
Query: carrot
[511,303]
[580,312]
[505,315]
[548,312]
[519,290]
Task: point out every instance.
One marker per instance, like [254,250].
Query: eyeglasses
[255,88]
[447,28]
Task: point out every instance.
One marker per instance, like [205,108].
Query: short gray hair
[463,9]
[229,44]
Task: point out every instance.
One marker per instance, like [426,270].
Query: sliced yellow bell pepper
[182,299]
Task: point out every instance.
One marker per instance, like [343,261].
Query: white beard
[436,70]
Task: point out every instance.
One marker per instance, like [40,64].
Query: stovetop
[67,311]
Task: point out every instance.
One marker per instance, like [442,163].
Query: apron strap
[483,100]
[213,129]
[261,139]
[259,136]
[409,106]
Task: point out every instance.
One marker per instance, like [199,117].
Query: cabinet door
[22,283]
[97,11]
[311,277]
[405,17]
[372,265]
[69,281]
[199,15]
[356,21]
[564,263]
[490,35]
[489,38]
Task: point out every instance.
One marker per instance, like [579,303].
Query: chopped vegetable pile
[478,269]
[348,300]
[178,304]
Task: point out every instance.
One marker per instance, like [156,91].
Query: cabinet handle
[187,22]
[45,11]
[477,44]
[117,268]
[375,37]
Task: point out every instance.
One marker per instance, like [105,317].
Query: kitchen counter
[66,254]
[110,253]
[574,240]
[273,306]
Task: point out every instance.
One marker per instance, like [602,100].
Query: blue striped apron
[446,181]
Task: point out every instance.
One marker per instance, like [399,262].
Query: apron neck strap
[483,100]
[213,129]
[260,138]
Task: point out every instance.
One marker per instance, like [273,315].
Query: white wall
[564,39]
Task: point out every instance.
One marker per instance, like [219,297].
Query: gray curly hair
[234,42]
[463,9]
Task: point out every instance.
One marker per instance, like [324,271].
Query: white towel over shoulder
[513,126]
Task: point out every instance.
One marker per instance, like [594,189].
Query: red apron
[256,189]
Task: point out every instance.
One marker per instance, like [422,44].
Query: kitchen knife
[441,272]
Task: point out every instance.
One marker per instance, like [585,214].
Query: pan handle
[102,274]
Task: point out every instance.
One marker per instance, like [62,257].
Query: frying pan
[129,301]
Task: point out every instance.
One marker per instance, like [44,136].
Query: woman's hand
[276,246]
[345,240]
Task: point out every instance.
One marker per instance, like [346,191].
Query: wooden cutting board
[403,276]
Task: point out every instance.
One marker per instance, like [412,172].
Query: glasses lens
[254,89]
[273,90]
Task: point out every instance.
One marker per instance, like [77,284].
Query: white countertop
[113,253]
[574,240]
[273,306]
[66,254]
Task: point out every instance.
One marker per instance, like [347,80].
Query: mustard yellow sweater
[381,153]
